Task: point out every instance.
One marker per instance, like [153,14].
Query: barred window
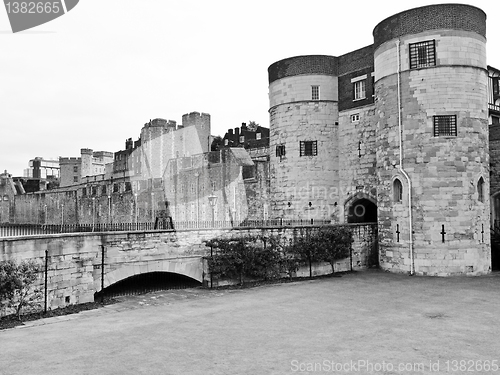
[445,125]
[422,54]
[280,151]
[315,92]
[398,191]
[359,90]
[308,148]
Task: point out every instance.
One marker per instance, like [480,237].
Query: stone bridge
[81,264]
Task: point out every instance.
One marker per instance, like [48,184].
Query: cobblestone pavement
[367,322]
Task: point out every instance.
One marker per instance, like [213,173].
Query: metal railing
[18,230]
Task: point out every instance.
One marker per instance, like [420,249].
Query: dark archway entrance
[362,211]
[147,282]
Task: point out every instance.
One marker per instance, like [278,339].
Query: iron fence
[17,230]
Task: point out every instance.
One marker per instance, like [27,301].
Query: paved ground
[363,321]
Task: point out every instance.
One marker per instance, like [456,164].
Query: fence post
[46,272]
[102,273]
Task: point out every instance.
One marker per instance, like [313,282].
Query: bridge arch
[190,267]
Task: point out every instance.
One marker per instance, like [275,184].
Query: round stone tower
[303,97]
[432,141]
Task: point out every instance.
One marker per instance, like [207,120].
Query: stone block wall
[75,260]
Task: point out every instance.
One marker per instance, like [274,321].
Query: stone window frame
[315,93]
[422,54]
[355,117]
[480,189]
[444,125]
[280,150]
[397,190]
[308,148]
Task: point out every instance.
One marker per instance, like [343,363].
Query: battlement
[69,160]
[196,119]
[103,154]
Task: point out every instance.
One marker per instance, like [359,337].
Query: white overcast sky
[93,77]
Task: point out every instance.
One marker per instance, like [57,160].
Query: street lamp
[93,213]
[136,216]
[212,199]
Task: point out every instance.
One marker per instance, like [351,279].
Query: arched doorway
[362,211]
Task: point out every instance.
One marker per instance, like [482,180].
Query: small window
[315,92]
[422,54]
[116,188]
[496,88]
[308,148]
[359,90]
[258,136]
[398,191]
[84,191]
[280,151]
[248,172]
[192,187]
[128,186]
[480,190]
[213,186]
[445,125]
[355,117]
[103,190]
[75,169]
[75,178]
[242,139]
[94,190]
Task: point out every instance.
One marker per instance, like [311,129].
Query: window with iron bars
[445,125]
[308,148]
[315,92]
[422,54]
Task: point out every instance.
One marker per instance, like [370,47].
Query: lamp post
[93,213]
[136,217]
[212,199]
[109,211]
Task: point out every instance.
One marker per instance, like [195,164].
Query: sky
[93,77]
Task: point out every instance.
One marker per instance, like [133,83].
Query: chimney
[237,131]
[230,131]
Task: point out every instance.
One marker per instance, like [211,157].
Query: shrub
[16,284]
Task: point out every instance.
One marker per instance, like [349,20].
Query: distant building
[91,164]
[247,137]
[42,168]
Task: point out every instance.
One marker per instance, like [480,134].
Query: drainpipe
[401,169]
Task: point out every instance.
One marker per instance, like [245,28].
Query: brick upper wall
[356,60]
[442,16]
[310,64]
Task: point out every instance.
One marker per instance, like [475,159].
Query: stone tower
[432,141]
[303,101]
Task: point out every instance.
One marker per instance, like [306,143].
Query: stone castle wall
[75,260]
[444,170]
